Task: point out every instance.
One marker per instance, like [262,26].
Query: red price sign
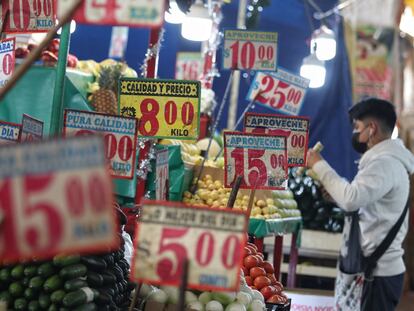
[211,239]
[28,15]
[144,13]
[282,91]
[161,172]
[296,129]
[165,108]
[189,66]
[32,129]
[56,197]
[7,59]
[120,135]
[250,50]
[259,159]
[9,132]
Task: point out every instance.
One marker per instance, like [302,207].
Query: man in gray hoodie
[379,191]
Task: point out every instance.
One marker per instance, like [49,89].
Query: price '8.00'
[20,9]
[150,108]
[167,270]
[76,196]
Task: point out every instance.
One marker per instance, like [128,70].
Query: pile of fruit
[259,275]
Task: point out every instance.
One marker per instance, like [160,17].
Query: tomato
[253,251]
[252,245]
[272,278]
[261,281]
[249,280]
[257,271]
[268,291]
[247,252]
[245,271]
[260,255]
[279,286]
[250,262]
[277,299]
[259,260]
[268,267]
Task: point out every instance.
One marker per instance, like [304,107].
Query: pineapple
[105,99]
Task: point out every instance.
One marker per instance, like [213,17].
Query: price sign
[32,129]
[119,40]
[189,65]
[211,239]
[161,172]
[165,108]
[28,15]
[56,197]
[296,129]
[250,50]
[7,59]
[144,13]
[282,91]
[9,132]
[260,159]
[120,135]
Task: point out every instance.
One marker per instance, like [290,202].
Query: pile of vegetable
[318,213]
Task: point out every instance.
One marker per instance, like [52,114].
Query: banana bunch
[190,153]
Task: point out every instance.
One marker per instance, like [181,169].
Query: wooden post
[183,286]
[278,255]
[234,191]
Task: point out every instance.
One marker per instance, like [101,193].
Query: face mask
[356,144]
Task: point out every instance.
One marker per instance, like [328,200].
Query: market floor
[407,302]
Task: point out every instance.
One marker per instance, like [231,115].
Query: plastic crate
[278,307]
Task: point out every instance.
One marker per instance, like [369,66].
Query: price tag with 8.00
[250,50]
[28,15]
[211,239]
[260,159]
[281,91]
[296,129]
[55,197]
[165,108]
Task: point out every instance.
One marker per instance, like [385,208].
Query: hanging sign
[165,108]
[161,172]
[27,15]
[119,40]
[259,159]
[250,50]
[211,239]
[134,13]
[56,197]
[189,65]
[7,59]
[9,132]
[120,134]
[32,129]
[281,91]
[296,129]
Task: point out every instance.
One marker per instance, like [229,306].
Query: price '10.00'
[76,195]
[204,252]
[22,7]
[150,108]
[279,97]
[256,167]
[248,54]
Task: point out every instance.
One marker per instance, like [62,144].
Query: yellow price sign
[165,108]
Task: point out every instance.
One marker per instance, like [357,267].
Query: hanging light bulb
[72,27]
[175,15]
[197,25]
[323,39]
[314,70]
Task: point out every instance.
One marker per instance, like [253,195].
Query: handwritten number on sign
[248,54]
[257,168]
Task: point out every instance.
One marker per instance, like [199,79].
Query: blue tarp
[327,106]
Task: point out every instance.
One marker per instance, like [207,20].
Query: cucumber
[107,290]
[80,297]
[16,289]
[5,296]
[57,296]
[109,259]
[94,263]
[53,308]
[45,270]
[73,271]
[36,282]
[108,278]
[86,307]
[94,279]
[5,275]
[75,284]
[103,298]
[63,261]
[29,293]
[30,271]
[20,304]
[33,305]
[53,283]
[17,272]
[26,281]
[44,301]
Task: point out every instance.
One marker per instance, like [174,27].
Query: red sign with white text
[260,159]
[211,239]
[56,197]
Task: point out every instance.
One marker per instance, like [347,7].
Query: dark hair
[379,109]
